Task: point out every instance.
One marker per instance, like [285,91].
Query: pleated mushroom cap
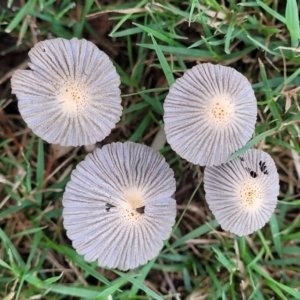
[242,194]
[71,95]
[117,207]
[209,113]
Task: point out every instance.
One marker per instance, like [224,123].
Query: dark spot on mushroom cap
[108,206]
[141,210]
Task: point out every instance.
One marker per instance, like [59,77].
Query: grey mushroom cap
[118,206]
[242,194]
[209,113]
[71,95]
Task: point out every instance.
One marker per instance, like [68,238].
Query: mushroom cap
[242,194]
[71,95]
[118,208]
[209,113]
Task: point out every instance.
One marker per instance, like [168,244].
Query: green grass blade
[191,53]
[140,285]
[114,287]
[40,172]
[228,37]
[272,12]
[293,292]
[78,28]
[25,10]
[74,257]
[251,143]
[143,274]
[126,17]
[140,130]
[157,34]
[292,21]
[276,235]
[196,233]
[10,246]
[164,64]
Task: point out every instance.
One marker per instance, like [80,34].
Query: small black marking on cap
[108,206]
[140,210]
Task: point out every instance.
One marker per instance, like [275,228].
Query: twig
[8,75]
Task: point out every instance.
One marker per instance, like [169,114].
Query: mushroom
[209,113]
[242,194]
[117,207]
[71,95]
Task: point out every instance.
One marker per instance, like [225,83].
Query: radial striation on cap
[242,194]
[209,113]
[71,95]
[118,207]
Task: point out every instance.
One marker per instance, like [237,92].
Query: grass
[151,44]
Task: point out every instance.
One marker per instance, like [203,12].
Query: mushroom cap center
[132,210]
[250,194]
[73,97]
[134,198]
[221,110]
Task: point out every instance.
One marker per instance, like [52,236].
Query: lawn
[152,44]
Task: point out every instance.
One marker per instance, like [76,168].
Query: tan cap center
[73,97]
[133,208]
[134,197]
[221,110]
[250,194]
